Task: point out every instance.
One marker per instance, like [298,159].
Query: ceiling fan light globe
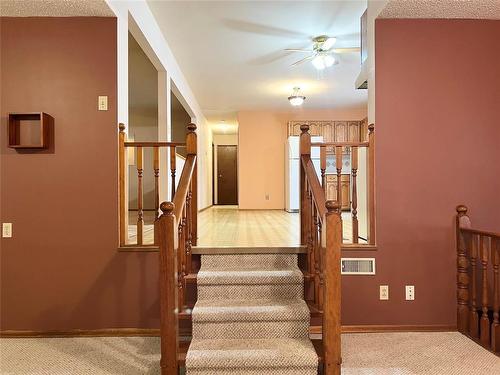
[329,60]
[319,62]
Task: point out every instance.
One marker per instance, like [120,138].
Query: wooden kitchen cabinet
[331,189]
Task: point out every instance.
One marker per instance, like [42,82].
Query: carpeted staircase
[250,317]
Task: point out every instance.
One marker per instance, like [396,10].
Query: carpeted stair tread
[250,277]
[250,317]
[250,310]
[249,261]
[265,354]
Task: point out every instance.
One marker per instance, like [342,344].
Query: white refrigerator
[292,171]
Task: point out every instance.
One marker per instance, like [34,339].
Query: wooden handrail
[481,232]
[318,195]
[153,144]
[184,185]
[343,144]
[477,250]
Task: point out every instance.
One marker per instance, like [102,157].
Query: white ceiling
[232,52]
[54,8]
[470,9]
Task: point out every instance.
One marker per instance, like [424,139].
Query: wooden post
[168,290]
[140,212]
[332,241]
[122,165]
[354,172]
[462,273]
[371,185]
[305,150]
[191,149]
[495,326]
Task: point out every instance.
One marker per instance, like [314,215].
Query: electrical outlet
[384,292]
[7,230]
[102,103]
[410,292]
[267,196]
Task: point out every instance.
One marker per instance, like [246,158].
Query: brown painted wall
[61,270]
[437,131]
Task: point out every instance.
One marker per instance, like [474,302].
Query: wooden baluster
[188,230]
[484,245]
[156,171]
[473,317]
[322,156]
[316,249]
[305,150]
[122,177]
[168,291]
[140,212]
[184,255]
[321,267]
[338,165]
[354,171]
[191,149]
[180,258]
[462,272]
[309,224]
[332,240]
[371,185]
[173,162]
[495,327]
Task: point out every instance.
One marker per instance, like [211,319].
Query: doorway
[227,174]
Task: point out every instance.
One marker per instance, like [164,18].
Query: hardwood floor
[229,226]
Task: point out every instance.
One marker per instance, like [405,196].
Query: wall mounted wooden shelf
[29,130]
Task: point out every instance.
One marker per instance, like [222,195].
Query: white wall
[221,139]
[136,14]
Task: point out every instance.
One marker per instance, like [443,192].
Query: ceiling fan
[322,54]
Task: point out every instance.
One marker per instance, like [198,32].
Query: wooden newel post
[332,242]
[168,290]
[371,184]
[191,149]
[305,150]
[122,164]
[462,220]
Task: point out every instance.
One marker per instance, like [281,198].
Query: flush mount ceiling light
[296,99]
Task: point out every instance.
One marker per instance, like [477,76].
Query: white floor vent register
[358,266]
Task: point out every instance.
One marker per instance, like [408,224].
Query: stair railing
[478,282]
[351,150]
[321,233]
[136,149]
[176,232]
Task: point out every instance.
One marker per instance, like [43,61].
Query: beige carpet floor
[363,354]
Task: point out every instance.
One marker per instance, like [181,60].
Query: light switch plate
[384,292]
[102,103]
[6,230]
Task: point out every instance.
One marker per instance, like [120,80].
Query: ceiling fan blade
[346,50]
[327,44]
[301,61]
[298,50]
